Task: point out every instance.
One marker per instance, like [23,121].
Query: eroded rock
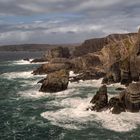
[132,97]
[55,82]
[50,67]
[100,100]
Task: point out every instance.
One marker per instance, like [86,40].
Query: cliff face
[135,59]
[117,51]
[117,55]
[86,62]
[122,59]
[94,45]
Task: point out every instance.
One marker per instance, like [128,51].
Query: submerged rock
[55,82]
[100,100]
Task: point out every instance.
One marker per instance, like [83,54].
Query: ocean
[27,114]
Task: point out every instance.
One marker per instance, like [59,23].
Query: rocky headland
[115,58]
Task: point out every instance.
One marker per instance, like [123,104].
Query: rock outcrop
[59,52]
[86,62]
[100,100]
[110,55]
[115,58]
[55,82]
[117,104]
[50,67]
[132,97]
[36,60]
[135,60]
[127,100]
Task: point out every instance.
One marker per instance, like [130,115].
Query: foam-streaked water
[29,114]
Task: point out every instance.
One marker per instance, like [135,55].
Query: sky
[65,21]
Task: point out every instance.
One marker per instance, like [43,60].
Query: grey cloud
[95,18]
[28,7]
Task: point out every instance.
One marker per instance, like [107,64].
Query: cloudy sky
[65,21]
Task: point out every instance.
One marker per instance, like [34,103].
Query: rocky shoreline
[115,58]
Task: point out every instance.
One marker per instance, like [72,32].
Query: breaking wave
[24,75]
[24,62]
[74,115]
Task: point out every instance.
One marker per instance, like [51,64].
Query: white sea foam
[72,74]
[87,83]
[124,122]
[74,116]
[117,85]
[13,75]
[23,74]
[21,62]
[32,94]
[35,94]
[24,62]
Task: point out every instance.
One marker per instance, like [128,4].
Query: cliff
[94,45]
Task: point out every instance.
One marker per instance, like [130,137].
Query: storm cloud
[65,21]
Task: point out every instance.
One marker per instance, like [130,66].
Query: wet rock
[108,79]
[132,97]
[26,59]
[42,80]
[39,60]
[55,82]
[116,105]
[100,100]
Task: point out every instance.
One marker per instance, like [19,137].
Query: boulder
[55,82]
[100,100]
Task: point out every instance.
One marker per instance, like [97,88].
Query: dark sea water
[27,114]
[17,55]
